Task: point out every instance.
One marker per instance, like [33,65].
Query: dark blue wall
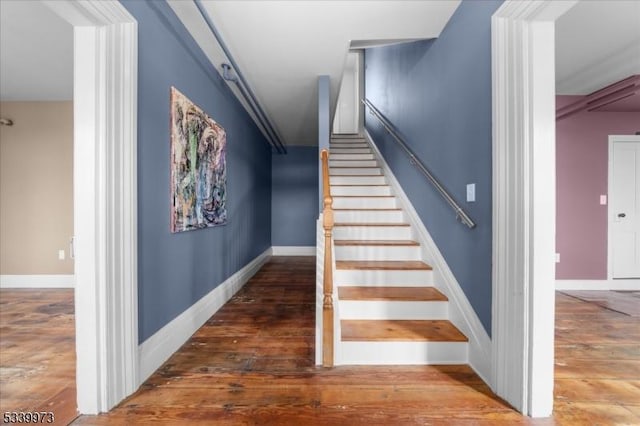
[324,127]
[438,95]
[294,197]
[176,270]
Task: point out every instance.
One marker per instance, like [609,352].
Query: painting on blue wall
[198,167]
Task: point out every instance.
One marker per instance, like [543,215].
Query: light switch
[61,255]
[557,257]
[603,200]
[471,192]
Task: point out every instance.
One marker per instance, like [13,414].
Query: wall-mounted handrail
[460,214]
[241,83]
[327,288]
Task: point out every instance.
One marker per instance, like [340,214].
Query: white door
[624,207]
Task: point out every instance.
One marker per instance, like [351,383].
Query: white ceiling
[597,44]
[282,46]
[36,53]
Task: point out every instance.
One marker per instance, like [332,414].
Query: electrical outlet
[557,257]
[603,200]
[61,255]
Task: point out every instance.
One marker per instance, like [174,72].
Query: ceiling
[282,46]
[36,53]
[597,44]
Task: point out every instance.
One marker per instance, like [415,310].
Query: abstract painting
[198,167]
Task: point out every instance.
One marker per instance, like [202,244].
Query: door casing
[105,200]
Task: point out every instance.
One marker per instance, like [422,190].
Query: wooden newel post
[327,303]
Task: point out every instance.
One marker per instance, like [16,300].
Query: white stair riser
[344,146]
[372,233]
[354,171]
[360,190]
[377,252]
[348,145]
[364,202]
[393,310]
[403,353]
[358,180]
[334,156]
[368,216]
[383,278]
[335,151]
[352,163]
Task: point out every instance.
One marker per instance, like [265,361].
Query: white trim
[613,139]
[294,250]
[105,200]
[461,314]
[37,281]
[624,285]
[523,83]
[154,351]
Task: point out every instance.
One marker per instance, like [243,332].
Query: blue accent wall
[294,197]
[324,123]
[176,270]
[438,95]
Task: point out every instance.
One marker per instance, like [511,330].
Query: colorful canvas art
[198,167]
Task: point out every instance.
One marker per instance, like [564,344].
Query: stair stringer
[461,313]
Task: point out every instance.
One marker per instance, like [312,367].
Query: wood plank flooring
[37,352]
[252,364]
[597,362]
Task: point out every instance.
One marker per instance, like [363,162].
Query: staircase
[390,313]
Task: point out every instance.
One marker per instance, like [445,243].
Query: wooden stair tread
[363,196]
[376,243]
[368,209]
[396,294]
[405,265]
[401,330]
[356,184]
[358,176]
[370,224]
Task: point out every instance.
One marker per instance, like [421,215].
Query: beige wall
[36,187]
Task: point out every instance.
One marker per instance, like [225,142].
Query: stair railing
[460,213]
[327,302]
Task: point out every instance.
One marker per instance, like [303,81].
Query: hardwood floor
[37,353]
[252,363]
[597,356]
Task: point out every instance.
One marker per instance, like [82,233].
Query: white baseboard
[461,313]
[37,281]
[293,250]
[630,284]
[154,351]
